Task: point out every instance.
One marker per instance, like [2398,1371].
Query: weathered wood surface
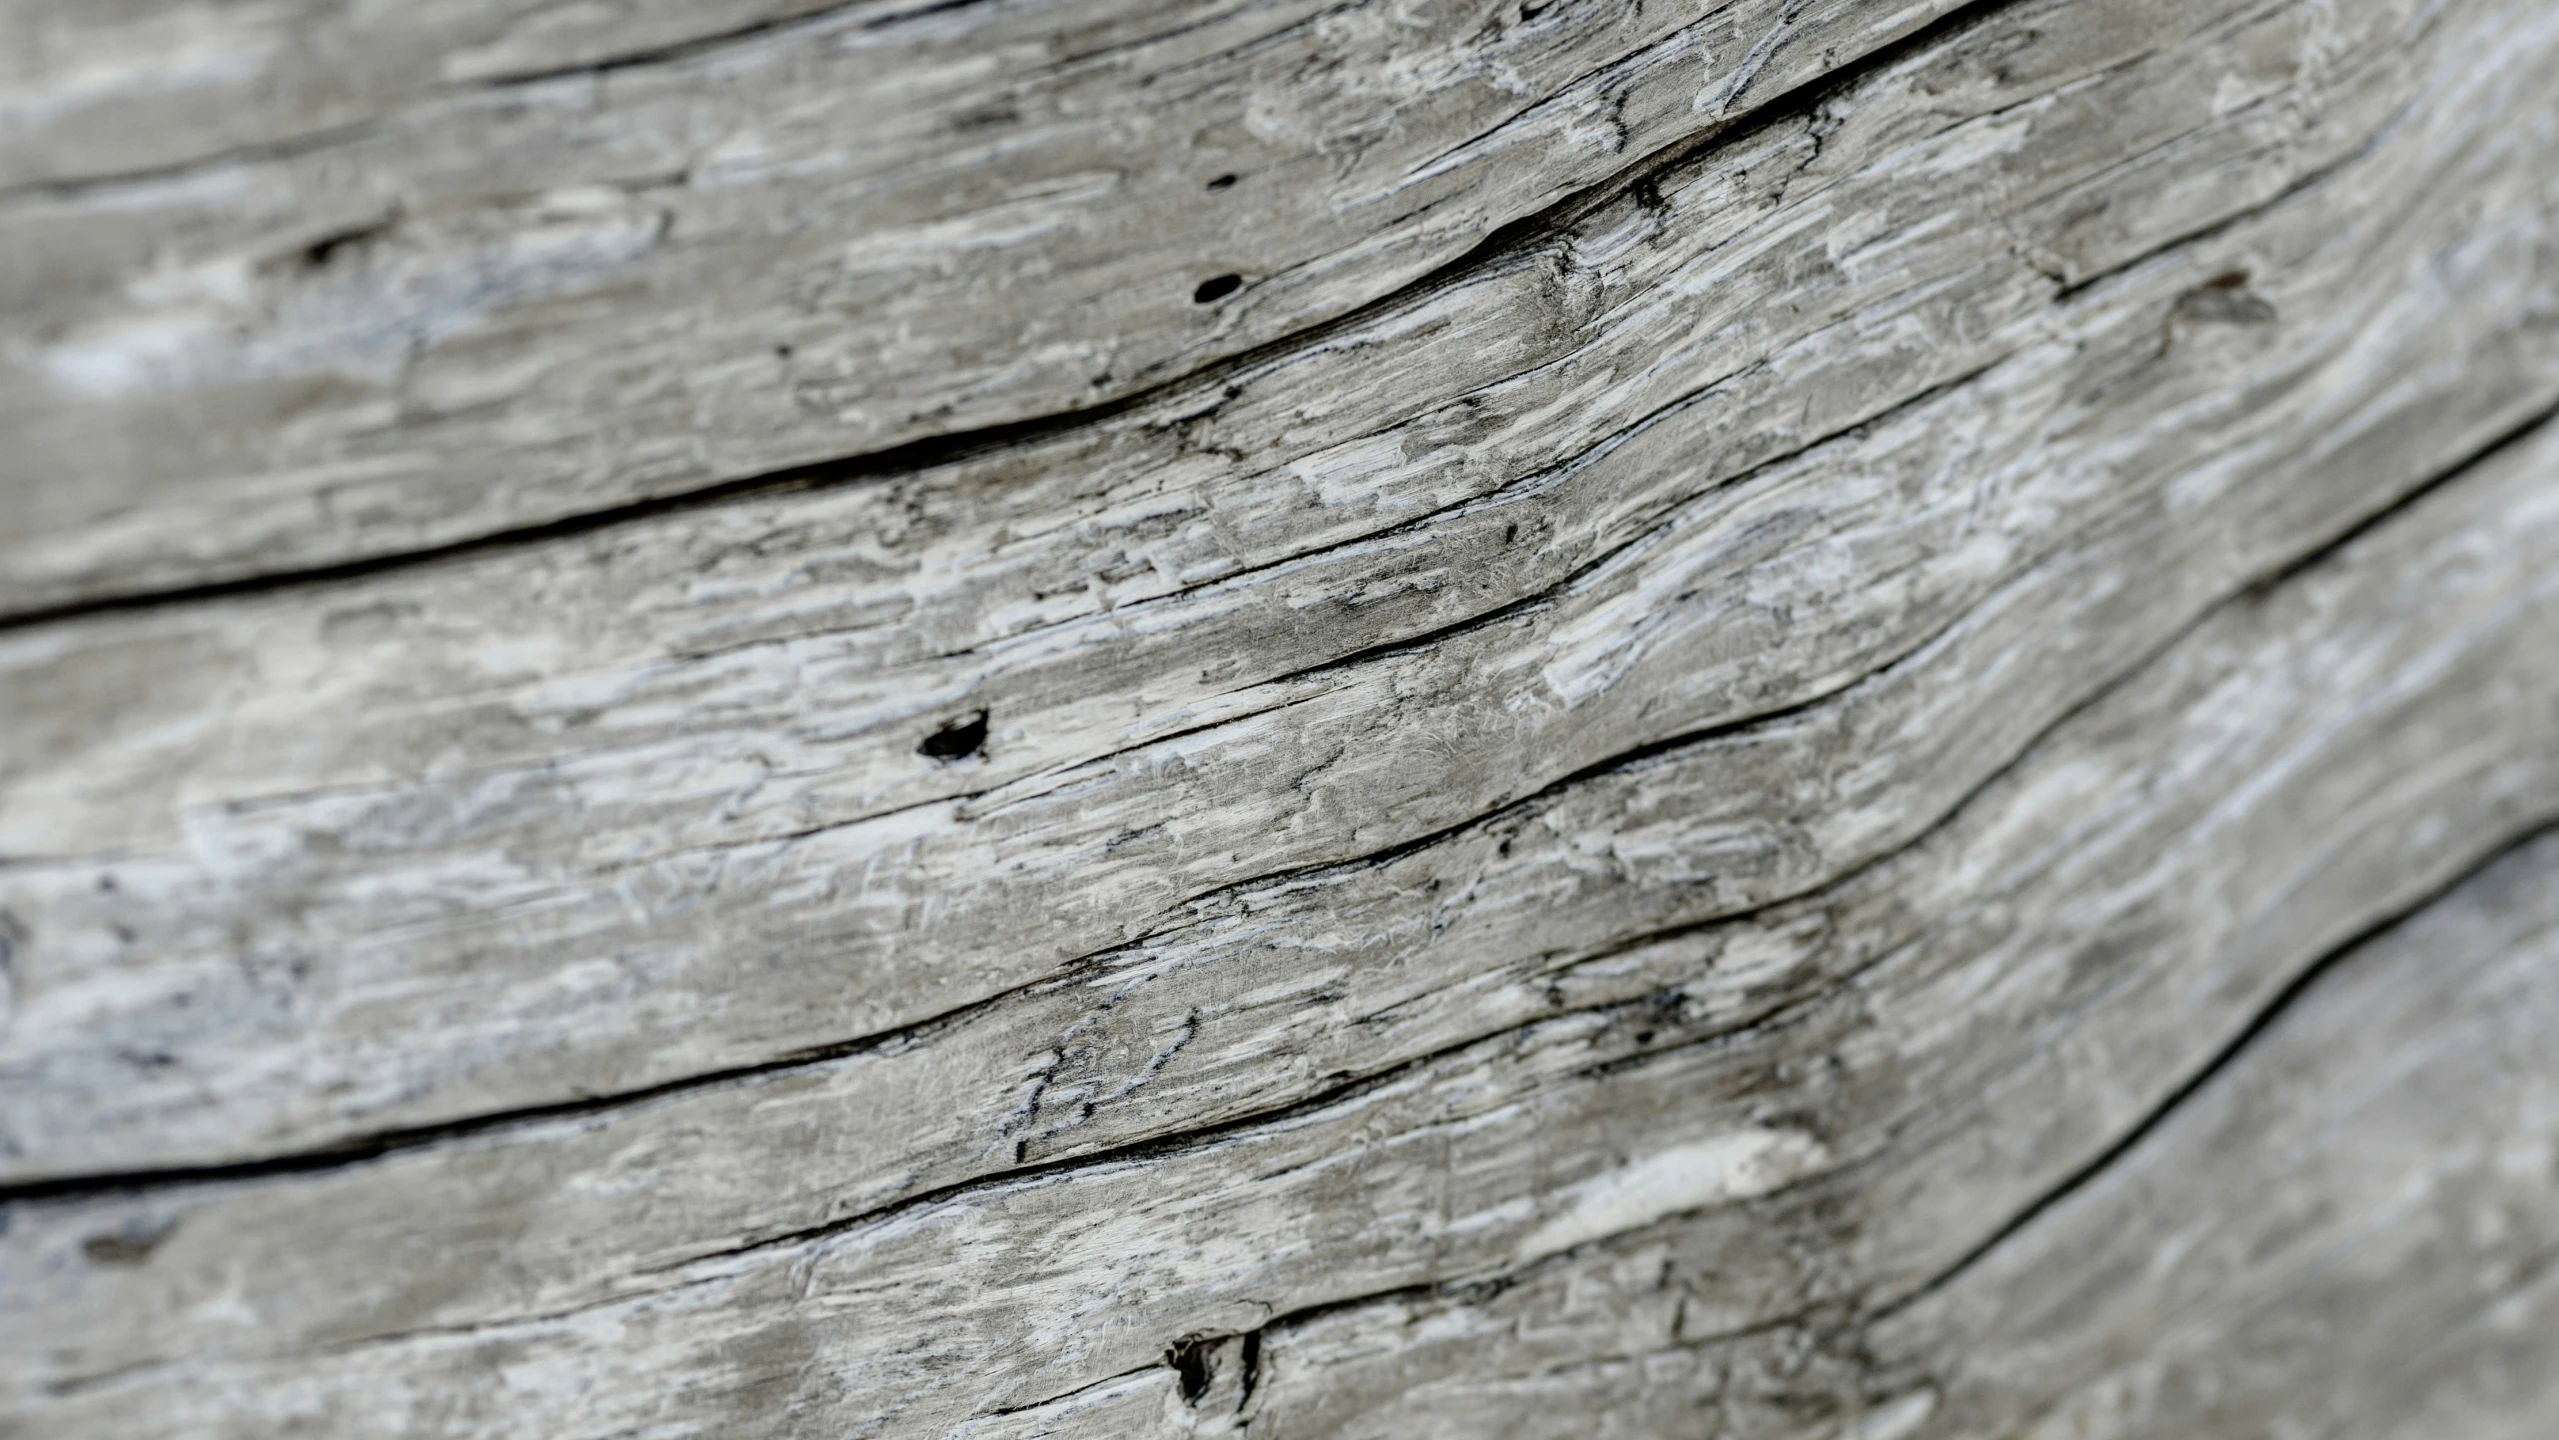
[389,315]
[608,847]
[1753,810]
[2319,759]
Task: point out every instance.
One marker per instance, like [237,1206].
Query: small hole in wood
[957,740]
[320,252]
[1194,1364]
[1217,289]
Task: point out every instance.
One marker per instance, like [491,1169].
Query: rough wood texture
[401,314]
[1808,719]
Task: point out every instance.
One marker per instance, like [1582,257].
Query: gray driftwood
[1803,720]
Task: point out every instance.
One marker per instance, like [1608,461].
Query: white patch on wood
[1683,1178]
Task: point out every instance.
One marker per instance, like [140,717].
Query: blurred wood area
[1770,720]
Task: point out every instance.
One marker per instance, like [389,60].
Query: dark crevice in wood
[1511,242]
[1194,1362]
[2220,1061]
[927,453]
[2513,435]
[360,1149]
[381,1144]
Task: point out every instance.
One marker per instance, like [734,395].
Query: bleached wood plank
[496,308]
[1847,1093]
[596,999]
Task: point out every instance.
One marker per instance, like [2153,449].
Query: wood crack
[2258,1024]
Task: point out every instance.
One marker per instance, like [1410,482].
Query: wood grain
[1844,1092]
[1806,720]
[502,305]
[576,845]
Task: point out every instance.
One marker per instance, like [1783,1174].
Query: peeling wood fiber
[1781,718]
